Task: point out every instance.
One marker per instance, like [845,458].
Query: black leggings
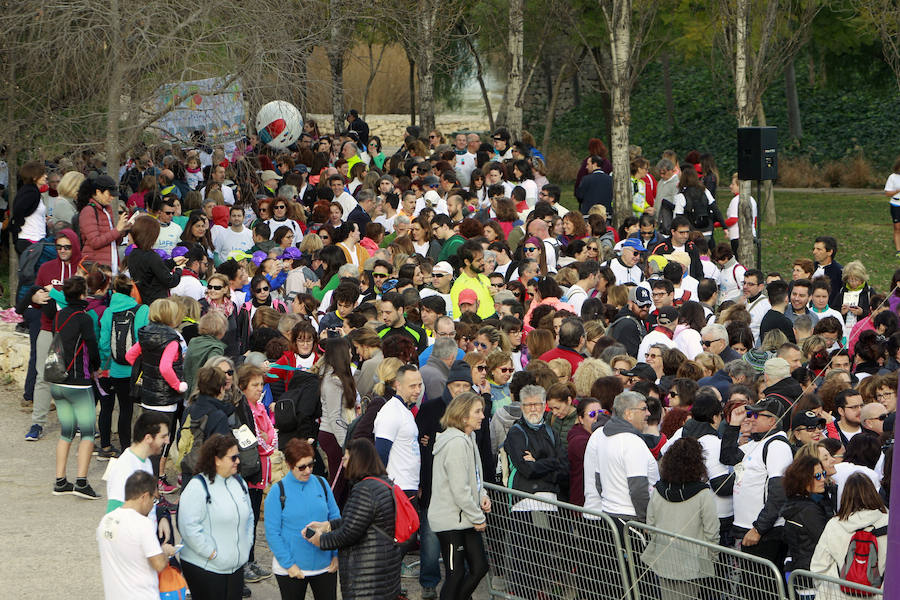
[465,562]
[256,498]
[119,388]
[324,586]
[206,585]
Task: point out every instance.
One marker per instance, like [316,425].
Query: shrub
[562,164]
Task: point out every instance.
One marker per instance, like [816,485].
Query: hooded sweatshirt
[687,509]
[55,272]
[618,470]
[199,350]
[458,471]
[832,547]
[118,303]
[501,422]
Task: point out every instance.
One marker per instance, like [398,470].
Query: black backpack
[299,407]
[696,208]
[29,263]
[122,334]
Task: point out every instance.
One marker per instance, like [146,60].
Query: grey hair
[490,254]
[348,270]
[365,195]
[444,348]
[716,329]
[532,391]
[402,219]
[625,401]
[738,367]
[664,165]
[287,192]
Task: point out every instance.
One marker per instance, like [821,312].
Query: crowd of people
[309,332]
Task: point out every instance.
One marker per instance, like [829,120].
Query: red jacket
[98,232]
[55,272]
[565,353]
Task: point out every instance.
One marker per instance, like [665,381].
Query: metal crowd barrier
[805,585]
[551,550]
[669,566]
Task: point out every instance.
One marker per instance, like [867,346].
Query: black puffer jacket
[153,338]
[804,522]
[369,561]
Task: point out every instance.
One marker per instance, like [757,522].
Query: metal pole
[892,580]
[758,240]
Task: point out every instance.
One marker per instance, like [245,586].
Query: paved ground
[48,549]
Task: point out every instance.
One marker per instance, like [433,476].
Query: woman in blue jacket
[215,519]
[295,501]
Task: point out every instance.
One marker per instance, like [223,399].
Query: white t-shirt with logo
[396,424]
[127,539]
[613,459]
[169,237]
[118,473]
[225,240]
[893,183]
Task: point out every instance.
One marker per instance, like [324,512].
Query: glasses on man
[532,405]
[64,247]
[708,343]
[379,275]
[752,414]
[169,212]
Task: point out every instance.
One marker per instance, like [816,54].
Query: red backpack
[406,519]
[861,564]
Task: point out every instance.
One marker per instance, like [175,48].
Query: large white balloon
[279,124]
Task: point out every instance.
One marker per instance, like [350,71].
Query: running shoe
[254,573]
[165,487]
[34,434]
[107,453]
[86,492]
[64,488]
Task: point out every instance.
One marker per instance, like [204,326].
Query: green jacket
[117,303]
[319,293]
[451,245]
[199,350]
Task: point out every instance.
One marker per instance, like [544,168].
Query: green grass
[860,223]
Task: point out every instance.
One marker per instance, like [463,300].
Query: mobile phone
[309,533]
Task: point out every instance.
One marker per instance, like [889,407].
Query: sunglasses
[820,475]
[379,275]
[169,212]
[229,372]
[215,287]
[505,369]
[593,414]
[880,417]
[262,289]
[708,343]
[752,414]
[280,207]
[304,466]
[234,458]
[480,345]
[530,249]
[481,368]
[593,248]
[63,246]
[810,428]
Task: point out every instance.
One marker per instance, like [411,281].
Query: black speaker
[757,153]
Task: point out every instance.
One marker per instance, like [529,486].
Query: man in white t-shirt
[130,554]
[234,237]
[465,147]
[341,195]
[396,433]
[218,176]
[892,191]
[731,214]
[151,433]
[169,232]
[619,469]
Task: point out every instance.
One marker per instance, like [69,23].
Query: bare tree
[885,17]
[760,38]
[514,77]
[470,39]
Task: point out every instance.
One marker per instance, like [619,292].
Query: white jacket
[832,547]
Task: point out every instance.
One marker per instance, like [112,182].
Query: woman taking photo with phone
[293,502]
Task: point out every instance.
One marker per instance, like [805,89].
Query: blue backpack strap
[205,486]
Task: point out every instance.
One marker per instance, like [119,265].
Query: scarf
[225,305]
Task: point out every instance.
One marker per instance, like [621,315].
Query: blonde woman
[386,375]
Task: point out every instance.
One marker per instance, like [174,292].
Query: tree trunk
[336,64]
[479,74]
[12,164]
[620,101]
[793,102]
[373,71]
[766,204]
[426,87]
[667,88]
[554,100]
[114,96]
[516,59]
[746,254]
[412,87]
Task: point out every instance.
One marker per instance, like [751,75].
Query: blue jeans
[32,318]
[429,554]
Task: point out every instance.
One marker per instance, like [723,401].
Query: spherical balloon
[279,124]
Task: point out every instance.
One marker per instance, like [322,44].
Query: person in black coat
[806,511]
[153,276]
[369,560]
[595,188]
[26,203]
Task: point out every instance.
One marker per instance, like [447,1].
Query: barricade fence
[669,566]
[539,548]
[805,585]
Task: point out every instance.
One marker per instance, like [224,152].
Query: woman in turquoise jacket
[124,310]
[295,501]
[215,519]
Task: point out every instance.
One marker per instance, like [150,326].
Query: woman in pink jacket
[100,238]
